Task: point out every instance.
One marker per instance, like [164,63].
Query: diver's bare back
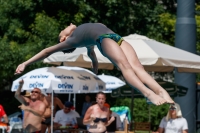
[86,34]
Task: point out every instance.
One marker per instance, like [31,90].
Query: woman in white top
[173,122]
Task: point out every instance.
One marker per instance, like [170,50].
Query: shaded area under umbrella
[173,89]
[60,80]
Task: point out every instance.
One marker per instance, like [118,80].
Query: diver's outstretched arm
[41,55]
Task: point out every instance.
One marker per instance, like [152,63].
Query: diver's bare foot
[156,99]
[166,96]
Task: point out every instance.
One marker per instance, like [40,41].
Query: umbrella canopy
[88,75]
[60,80]
[156,56]
[173,89]
[79,58]
[111,82]
[126,91]
[153,55]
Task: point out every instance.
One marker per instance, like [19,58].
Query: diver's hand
[20,69]
[62,38]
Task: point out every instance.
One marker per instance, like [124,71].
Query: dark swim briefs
[47,121]
[117,38]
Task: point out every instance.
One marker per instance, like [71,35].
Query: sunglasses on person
[172,108]
[37,92]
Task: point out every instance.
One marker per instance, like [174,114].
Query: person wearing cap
[173,122]
[118,120]
[65,117]
[33,109]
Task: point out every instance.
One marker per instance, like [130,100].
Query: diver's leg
[141,73]
[112,50]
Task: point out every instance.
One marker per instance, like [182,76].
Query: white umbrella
[60,80]
[153,55]
[157,56]
[88,75]
[111,82]
[79,58]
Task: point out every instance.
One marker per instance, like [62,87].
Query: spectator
[118,120]
[33,109]
[97,115]
[65,117]
[4,116]
[173,122]
[56,102]
[76,114]
[86,104]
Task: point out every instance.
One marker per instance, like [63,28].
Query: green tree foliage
[23,33]
[198,28]
[28,26]
[167,31]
